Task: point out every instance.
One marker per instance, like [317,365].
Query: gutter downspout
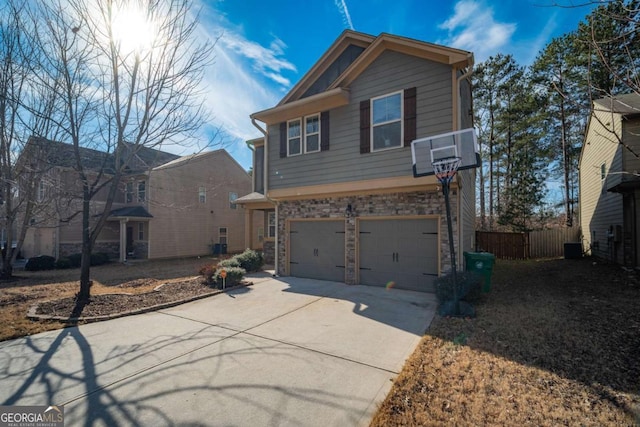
[265,179]
[459,80]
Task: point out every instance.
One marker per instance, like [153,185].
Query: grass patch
[556,342]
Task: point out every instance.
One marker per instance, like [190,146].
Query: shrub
[42,262]
[63,264]
[99,258]
[250,260]
[75,259]
[207,271]
[234,276]
[469,286]
[229,263]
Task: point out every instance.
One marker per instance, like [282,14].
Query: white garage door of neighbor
[400,252]
[317,250]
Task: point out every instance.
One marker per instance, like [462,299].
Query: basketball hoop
[445,169]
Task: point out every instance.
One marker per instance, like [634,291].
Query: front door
[129,239]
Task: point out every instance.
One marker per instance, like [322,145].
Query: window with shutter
[388,121]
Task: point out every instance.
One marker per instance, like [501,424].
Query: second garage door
[400,252]
[317,250]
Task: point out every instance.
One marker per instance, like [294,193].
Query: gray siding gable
[334,70]
[390,72]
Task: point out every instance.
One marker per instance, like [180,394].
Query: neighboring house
[168,206]
[610,180]
[333,172]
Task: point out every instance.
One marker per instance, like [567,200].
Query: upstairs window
[309,134]
[128,192]
[142,191]
[312,134]
[202,195]
[294,137]
[386,122]
[232,200]
[41,191]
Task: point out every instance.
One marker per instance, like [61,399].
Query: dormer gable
[326,85]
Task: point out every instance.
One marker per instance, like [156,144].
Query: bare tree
[120,95]
[24,108]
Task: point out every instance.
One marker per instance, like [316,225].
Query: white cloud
[344,11]
[473,27]
[264,60]
[246,77]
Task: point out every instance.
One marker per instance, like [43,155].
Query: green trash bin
[482,263]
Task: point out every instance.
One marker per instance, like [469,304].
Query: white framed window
[271,222]
[312,133]
[386,122]
[128,192]
[41,191]
[141,231]
[294,137]
[202,194]
[232,200]
[222,235]
[142,191]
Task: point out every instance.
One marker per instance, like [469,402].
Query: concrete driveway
[282,352]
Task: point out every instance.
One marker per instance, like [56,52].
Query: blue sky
[266,46]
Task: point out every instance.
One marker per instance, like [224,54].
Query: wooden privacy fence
[534,244]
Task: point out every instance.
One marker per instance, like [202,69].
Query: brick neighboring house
[333,172]
[168,206]
[610,180]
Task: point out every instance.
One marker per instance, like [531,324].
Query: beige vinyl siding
[631,135]
[390,72]
[600,209]
[466,180]
[181,225]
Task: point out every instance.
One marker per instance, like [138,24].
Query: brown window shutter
[409,116]
[283,140]
[324,131]
[365,124]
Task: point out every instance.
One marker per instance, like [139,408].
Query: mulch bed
[117,303]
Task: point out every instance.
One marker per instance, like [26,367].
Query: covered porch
[134,229]
[257,202]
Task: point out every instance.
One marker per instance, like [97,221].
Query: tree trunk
[7,267]
[85,261]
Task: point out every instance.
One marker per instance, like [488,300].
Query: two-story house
[333,170]
[169,206]
[610,180]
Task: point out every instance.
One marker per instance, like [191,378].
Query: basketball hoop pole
[445,171]
[452,249]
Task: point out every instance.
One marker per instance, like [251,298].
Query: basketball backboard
[461,143]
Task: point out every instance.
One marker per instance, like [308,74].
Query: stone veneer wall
[269,252]
[110,248]
[393,204]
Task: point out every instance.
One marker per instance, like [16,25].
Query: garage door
[402,251]
[317,250]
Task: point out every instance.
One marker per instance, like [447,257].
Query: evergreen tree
[558,76]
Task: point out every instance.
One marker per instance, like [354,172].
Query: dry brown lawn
[556,342]
[28,288]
